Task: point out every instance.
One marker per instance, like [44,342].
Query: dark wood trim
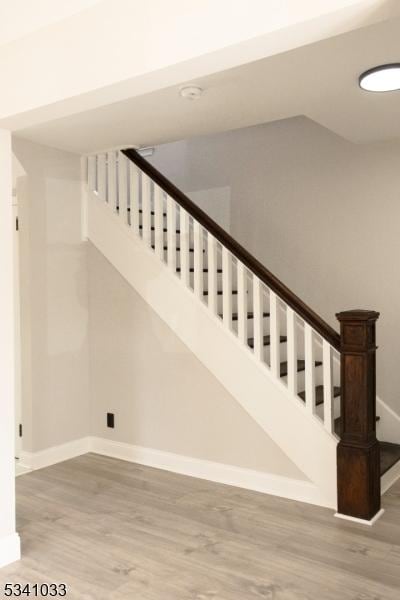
[325,330]
[358,452]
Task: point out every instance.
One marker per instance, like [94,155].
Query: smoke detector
[191,92]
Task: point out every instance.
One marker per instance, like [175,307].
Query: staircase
[277,357]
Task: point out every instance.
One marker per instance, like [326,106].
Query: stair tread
[301,366]
[390,455]
[319,394]
[266,340]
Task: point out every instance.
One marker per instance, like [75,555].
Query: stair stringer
[283,417]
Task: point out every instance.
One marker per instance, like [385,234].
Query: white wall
[54,305]
[121,48]
[323,214]
[162,396]
[9,541]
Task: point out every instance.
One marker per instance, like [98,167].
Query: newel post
[358,457]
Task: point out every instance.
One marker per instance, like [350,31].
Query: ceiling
[319,80]
[21,17]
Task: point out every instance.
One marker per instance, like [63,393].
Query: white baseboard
[10,549]
[267,483]
[361,521]
[21,469]
[31,461]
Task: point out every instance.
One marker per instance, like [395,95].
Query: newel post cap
[357,330]
[357,315]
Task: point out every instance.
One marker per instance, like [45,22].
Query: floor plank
[115,530]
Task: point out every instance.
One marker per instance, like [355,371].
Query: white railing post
[159,222]
[258,319]
[274,334]
[212,273]
[146,209]
[184,228]
[198,259]
[327,365]
[227,287]
[92,174]
[171,235]
[123,187]
[102,176]
[309,368]
[291,334]
[242,302]
[134,197]
[112,180]
[85,190]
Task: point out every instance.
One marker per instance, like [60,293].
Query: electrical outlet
[110,420]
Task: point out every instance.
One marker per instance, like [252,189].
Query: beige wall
[161,394]
[54,304]
[322,213]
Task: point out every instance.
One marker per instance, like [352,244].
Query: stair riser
[301,378]
[336,409]
[250,327]
[205,281]
[177,238]
[191,259]
[282,353]
[234,304]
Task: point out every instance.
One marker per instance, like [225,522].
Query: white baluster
[184,246]
[171,235]
[102,176]
[242,302]
[309,368]
[212,273]
[227,287]
[327,359]
[198,259]
[112,180]
[123,187]
[134,196]
[92,174]
[291,328]
[146,209]
[159,222]
[275,345]
[258,321]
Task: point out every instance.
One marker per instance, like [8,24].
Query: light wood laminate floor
[114,530]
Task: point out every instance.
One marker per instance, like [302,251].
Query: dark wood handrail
[325,330]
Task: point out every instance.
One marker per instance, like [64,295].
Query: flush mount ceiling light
[385,78]
[191,92]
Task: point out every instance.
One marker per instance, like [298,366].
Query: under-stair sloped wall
[162,396]
[301,436]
